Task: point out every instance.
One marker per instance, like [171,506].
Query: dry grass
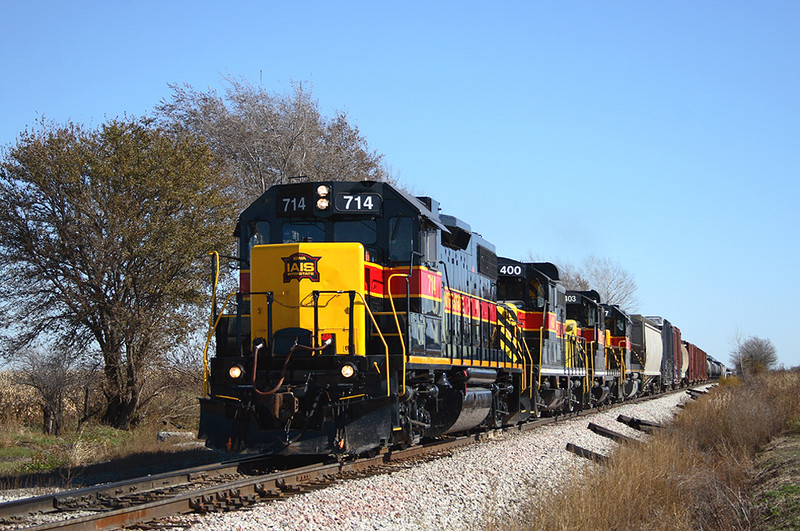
[18,406]
[25,451]
[696,475]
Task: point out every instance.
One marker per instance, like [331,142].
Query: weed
[43,461]
[732,380]
[694,475]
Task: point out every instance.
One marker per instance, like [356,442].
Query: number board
[510,270]
[358,203]
[297,201]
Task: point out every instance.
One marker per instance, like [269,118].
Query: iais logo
[299,266]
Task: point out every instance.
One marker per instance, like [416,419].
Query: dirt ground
[776,493]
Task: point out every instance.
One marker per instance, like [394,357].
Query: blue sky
[663,135]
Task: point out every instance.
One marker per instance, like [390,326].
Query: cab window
[401,239]
[362,231]
[259,233]
[510,289]
[430,238]
[537,293]
[307,231]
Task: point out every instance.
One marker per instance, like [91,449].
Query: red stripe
[423,282]
[533,321]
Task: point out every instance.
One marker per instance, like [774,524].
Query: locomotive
[366,319]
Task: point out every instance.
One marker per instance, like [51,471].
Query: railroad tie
[639,424]
[613,435]
[587,454]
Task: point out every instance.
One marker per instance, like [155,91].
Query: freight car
[672,358]
[698,367]
[365,319]
[716,369]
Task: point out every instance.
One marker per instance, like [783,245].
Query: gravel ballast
[465,490]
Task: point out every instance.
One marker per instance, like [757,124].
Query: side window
[536,293]
[430,241]
[259,233]
[401,239]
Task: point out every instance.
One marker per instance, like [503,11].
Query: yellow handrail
[211,325]
[397,322]
[211,329]
[528,376]
[541,343]
[385,345]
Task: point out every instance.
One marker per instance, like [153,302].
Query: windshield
[510,289]
[303,231]
[363,231]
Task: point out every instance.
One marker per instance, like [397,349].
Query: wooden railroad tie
[587,454]
[613,435]
[639,424]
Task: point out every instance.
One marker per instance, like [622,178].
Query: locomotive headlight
[236,372]
[323,190]
[323,203]
[348,370]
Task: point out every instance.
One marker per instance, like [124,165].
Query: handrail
[350,335]
[385,345]
[504,318]
[211,326]
[541,348]
[529,377]
[397,322]
[211,330]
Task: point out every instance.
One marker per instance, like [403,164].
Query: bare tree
[268,138]
[50,372]
[572,277]
[105,242]
[614,283]
[753,355]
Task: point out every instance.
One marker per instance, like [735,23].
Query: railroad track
[225,486]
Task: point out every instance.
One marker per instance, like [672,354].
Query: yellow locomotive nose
[313,287]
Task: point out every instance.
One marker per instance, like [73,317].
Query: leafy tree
[105,235]
[268,138]
[753,355]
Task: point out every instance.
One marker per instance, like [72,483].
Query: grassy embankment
[709,470]
[30,458]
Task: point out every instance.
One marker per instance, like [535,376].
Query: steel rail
[92,495]
[247,491]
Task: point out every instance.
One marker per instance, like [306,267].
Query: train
[366,319]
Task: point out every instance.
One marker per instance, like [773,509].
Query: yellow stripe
[458,361]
